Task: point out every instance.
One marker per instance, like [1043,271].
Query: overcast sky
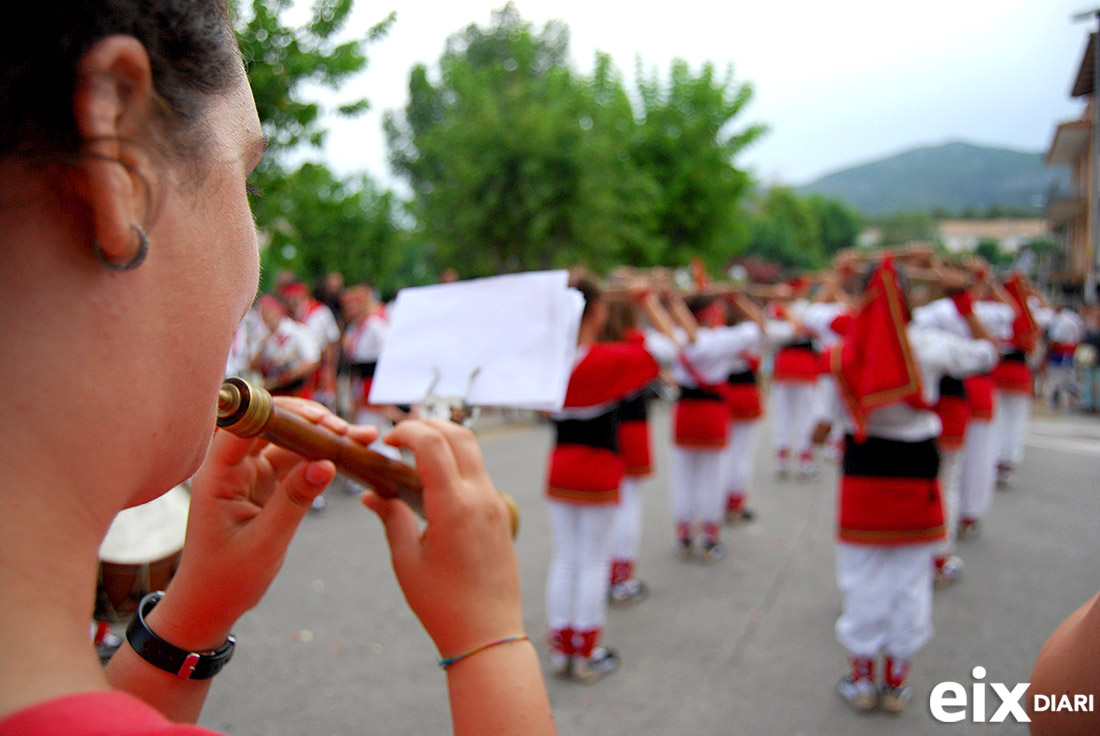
[839,83]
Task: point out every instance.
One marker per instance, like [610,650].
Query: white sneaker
[807,469]
[860,694]
[894,699]
[949,571]
[713,551]
[560,664]
[603,661]
[628,592]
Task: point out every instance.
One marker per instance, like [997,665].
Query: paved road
[742,646]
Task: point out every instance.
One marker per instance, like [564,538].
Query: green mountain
[955,177]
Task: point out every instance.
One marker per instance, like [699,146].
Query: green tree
[687,142]
[786,231]
[839,226]
[517,162]
[511,157]
[343,225]
[313,221]
[990,250]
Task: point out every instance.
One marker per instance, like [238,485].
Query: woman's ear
[113,107]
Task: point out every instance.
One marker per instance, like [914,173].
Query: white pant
[792,416]
[1060,386]
[887,599]
[824,408]
[739,456]
[375,418]
[950,471]
[1013,412]
[979,469]
[696,490]
[576,586]
[627,534]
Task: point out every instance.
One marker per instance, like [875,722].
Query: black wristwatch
[159,653]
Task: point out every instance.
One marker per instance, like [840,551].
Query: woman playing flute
[126,138]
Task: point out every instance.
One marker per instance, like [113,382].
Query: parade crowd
[916,375]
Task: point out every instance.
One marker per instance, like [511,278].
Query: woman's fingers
[467,452]
[435,460]
[291,499]
[401,525]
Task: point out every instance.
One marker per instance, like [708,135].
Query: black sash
[882,458]
[952,387]
[699,394]
[744,377]
[634,409]
[363,370]
[601,432]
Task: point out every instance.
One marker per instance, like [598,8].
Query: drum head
[151,531]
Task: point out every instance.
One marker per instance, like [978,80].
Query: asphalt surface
[743,645]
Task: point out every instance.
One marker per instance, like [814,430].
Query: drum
[140,554]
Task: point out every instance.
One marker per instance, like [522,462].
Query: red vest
[1013,375]
[796,363]
[585,465]
[890,493]
[979,397]
[743,397]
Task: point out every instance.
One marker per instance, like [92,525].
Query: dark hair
[698,302]
[192,50]
[591,293]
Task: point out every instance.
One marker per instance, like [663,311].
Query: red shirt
[104,713]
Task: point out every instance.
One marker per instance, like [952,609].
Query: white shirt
[363,341]
[291,343]
[819,318]
[1066,327]
[939,353]
[321,322]
[942,314]
[717,352]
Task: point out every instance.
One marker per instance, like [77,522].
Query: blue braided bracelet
[448,661]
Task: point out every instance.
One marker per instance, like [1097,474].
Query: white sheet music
[518,331]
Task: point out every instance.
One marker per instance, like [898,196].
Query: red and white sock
[897,672]
[863,668]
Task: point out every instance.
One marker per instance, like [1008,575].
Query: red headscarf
[874,366]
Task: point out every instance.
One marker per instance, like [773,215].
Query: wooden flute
[249,411]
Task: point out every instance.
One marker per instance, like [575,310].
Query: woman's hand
[247,500]
[460,574]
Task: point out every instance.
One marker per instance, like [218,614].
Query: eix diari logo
[950,702]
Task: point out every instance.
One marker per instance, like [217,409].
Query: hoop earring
[139,257]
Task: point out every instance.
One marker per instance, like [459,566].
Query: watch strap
[182,663]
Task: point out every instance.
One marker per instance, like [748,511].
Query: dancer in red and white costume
[585,473]
[794,375]
[701,423]
[1064,333]
[746,407]
[978,459]
[890,513]
[288,356]
[1015,382]
[635,448]
[319,319]
[363,339]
